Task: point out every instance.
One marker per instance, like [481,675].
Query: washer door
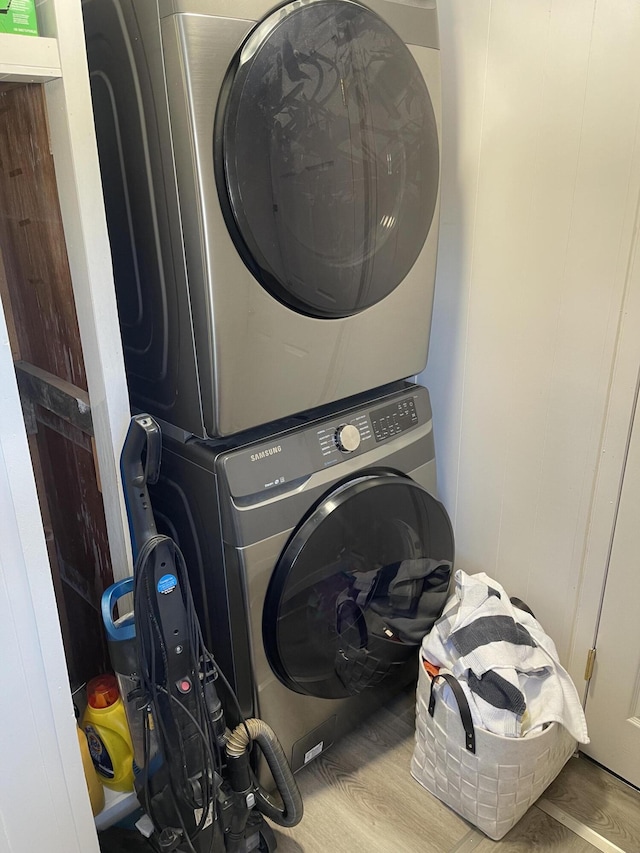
[360,582]
[326,151]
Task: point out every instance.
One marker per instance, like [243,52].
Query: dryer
[271,180]
[319,558]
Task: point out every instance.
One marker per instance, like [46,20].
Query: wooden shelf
[28,59]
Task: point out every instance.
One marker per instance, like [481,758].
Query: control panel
[289,457]
[338,440]
[394,419]
[344,437]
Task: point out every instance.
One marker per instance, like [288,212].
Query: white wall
[540,189]
[44,805]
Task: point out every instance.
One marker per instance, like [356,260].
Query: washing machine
[271,181]
[319,557]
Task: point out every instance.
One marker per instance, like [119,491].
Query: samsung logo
[277,448]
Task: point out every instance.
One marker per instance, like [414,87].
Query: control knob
[348,437]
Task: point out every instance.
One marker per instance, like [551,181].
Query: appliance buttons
[348,437]
[184,685]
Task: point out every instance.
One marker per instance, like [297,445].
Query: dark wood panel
[75,505]
[91,656]
[56,395]
[79,536]
[37,294]
[32,239]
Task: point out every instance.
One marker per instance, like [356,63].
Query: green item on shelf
[18,17]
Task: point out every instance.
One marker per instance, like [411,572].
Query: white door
[613,701]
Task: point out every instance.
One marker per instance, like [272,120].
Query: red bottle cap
[102,691]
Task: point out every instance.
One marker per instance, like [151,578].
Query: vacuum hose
[290,813]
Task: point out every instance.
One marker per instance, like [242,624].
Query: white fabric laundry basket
[493,786]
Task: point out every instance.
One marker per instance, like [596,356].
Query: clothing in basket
[506,663]
[496,715]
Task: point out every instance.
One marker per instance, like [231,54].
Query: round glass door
[360,583]
[326,153]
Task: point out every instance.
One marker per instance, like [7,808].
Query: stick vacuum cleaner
[193,777]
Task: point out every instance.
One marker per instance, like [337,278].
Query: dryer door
[359,584]
[327,161]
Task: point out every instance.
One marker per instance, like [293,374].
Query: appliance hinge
[591,659]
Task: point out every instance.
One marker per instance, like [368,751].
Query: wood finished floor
[359,796]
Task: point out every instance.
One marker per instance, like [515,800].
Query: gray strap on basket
[463,707]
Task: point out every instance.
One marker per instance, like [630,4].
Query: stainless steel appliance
[271,177]
[319,557]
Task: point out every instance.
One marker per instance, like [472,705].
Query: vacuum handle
[143,434]
[123,629]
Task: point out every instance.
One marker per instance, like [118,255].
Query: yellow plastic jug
[105,725]
[94,785]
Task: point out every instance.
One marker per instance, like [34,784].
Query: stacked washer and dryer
[271,181]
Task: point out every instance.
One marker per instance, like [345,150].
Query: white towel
[506,663]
